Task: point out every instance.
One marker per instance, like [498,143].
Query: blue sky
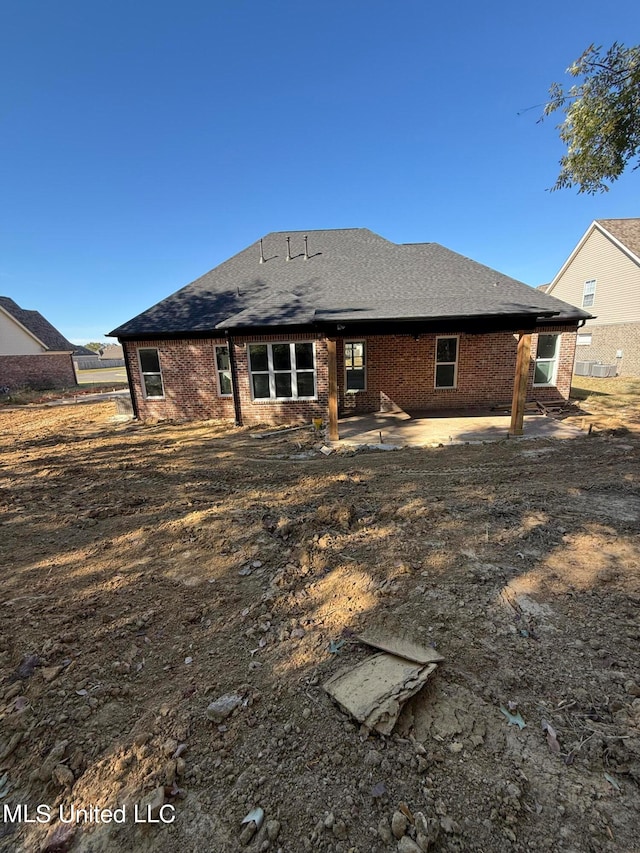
[142,143]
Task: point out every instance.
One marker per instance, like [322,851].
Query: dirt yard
[148,571]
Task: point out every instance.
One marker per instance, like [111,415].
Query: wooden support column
[332,363]
[520,384]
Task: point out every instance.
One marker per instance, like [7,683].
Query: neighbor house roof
[42,329]
[626,231]
[343,275]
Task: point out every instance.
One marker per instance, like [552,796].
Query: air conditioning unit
[582,368]
[603,371]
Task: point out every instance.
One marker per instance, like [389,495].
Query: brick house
[326,323]
[602,275]
[33,353]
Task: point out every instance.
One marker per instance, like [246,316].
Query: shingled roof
[627,231]
[338,276]
[41,328]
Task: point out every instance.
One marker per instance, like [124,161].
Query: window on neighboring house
[284,371]
[223,369]
[546,360]
[583,340]
[150,372]
[354,366]
[446,362]
[589,293]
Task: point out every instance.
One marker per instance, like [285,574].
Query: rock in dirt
[63,775]
[152,803]
[384,831]
[46,769]
[407,845]
[399,824]
[273,829]
[223,706]
[51,672]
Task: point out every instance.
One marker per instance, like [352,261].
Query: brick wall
[605,343]
[189,379]
[191,386]
[39,371]
[400,371]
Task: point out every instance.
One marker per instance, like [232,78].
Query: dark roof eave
[503,320]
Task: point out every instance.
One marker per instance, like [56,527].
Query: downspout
[134,402]
[237,408]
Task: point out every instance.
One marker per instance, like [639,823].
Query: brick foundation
[40,371]
[400,372]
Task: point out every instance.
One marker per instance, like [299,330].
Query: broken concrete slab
[375,690]
[400,643]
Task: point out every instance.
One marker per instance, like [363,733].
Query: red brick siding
[282,411]
[39,371]
[399,370]
[189,379]
[190,382]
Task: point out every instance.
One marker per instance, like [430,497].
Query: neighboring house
[602,275]
[33,353]
[301,326]
[112,352]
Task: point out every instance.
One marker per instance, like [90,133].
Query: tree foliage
[96,346]
[601,128]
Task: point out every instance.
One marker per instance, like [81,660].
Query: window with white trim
[546,367]
[354,366]
[589,293]
[283,371]
[446,373]
[583,340]
[223,369]
[149,360]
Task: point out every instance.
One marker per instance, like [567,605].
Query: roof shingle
[349,275]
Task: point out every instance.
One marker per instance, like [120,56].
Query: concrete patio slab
[420,429]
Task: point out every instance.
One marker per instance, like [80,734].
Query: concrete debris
[375,690]
[398,643]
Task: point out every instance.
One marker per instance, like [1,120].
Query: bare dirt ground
[146,571]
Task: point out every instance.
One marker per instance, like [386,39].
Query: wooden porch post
[520,384]
[333,390]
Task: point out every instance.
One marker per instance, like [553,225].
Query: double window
[285,371]
[446,375]
[150,372]
[223,370]
[354,366]
[546,368]
[589,293]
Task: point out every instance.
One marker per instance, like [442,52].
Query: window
[282,371]
[446,362]
[546,360]
[583,340]
[589,293]
[354,366]
[151,373]
[223,369]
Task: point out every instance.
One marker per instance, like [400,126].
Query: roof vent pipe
[306,249]
[261,252]
[288,258]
